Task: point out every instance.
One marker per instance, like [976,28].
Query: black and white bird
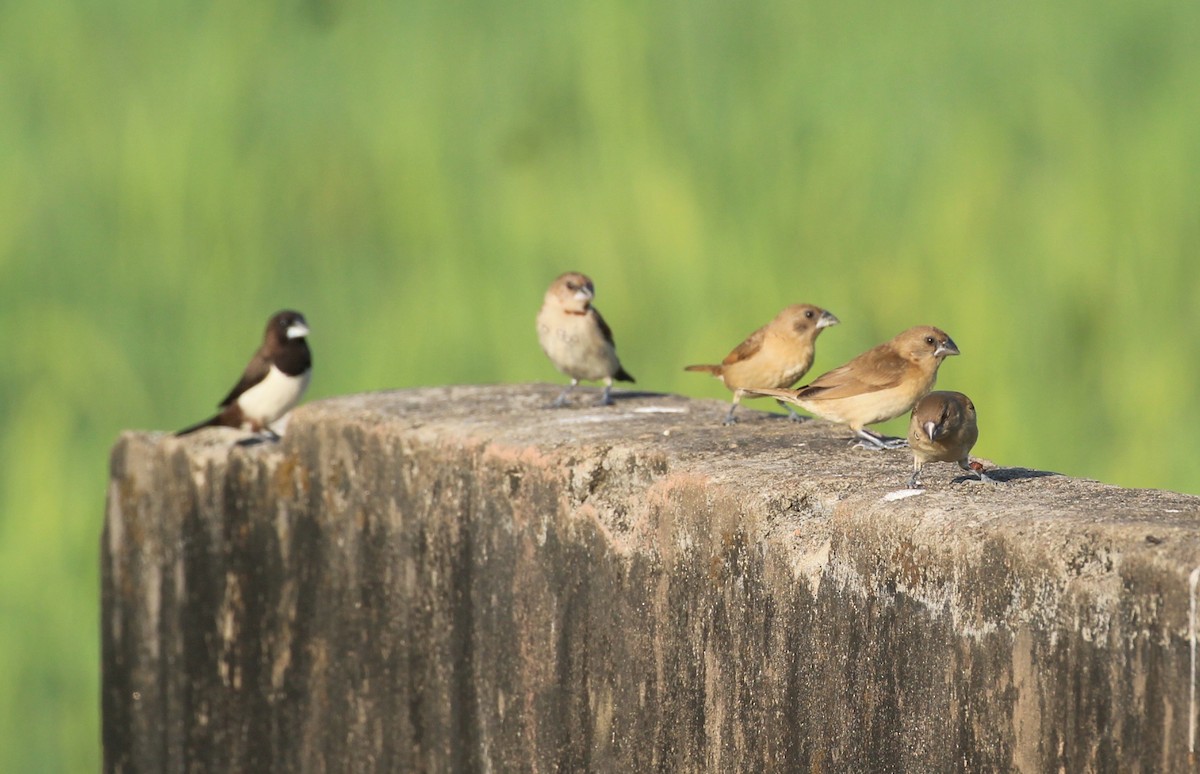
[272,383]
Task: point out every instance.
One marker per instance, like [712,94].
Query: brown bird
[776,355]
[943,429]
[575,337]
[273,382]
[880,384]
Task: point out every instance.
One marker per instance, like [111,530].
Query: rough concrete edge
[1091,561]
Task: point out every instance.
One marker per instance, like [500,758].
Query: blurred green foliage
[411,175]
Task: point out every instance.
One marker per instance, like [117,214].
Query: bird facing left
[272,384]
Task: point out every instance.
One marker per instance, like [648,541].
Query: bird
[776,355]
[575,337]
[273,382]
[880,384]
[943,428]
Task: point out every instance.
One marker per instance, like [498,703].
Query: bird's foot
[976,468]
[875,442]
[792,415]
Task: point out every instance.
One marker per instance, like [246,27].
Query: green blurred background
[412,174]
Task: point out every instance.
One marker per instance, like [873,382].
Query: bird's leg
[868,439]
[261,433]
[730,419]
[792,415]
[561,400]
[606,397]
[913,480]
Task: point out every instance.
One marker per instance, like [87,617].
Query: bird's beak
[297,331]
[826,319]
[946,348]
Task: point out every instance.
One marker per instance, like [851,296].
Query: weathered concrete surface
[458,579]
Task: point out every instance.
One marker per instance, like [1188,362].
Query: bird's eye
[572,286]
[929,340]
[809,314]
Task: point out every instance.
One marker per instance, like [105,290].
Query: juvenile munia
[880,384]
[943,428]
[774,356]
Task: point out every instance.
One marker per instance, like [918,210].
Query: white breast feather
[273,397]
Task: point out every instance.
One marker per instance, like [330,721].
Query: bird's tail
[715,370]
[622,375]
[210,422]
[788,395]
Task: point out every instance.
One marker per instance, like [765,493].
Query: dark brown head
[284,327]
[943,412]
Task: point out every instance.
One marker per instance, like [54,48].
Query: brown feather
[255,372]
[876,369]
[747,349]
[605,331]
[881,383]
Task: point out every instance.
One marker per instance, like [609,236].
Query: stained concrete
[460,579]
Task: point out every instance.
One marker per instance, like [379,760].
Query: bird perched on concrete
[943,428]
[575,337]
[776,355]
[880,384]
[272,383]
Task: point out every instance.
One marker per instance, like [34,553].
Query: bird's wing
[255,372]
[877,369]
[747,348]
[605,331]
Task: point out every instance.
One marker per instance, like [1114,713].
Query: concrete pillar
[459,579]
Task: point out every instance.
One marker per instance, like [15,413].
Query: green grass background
[411,175]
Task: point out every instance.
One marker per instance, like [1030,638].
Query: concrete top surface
[794,471]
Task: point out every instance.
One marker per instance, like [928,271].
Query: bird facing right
[776,355]
[575,337]
[273,382]
[943,428]
[880,384]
